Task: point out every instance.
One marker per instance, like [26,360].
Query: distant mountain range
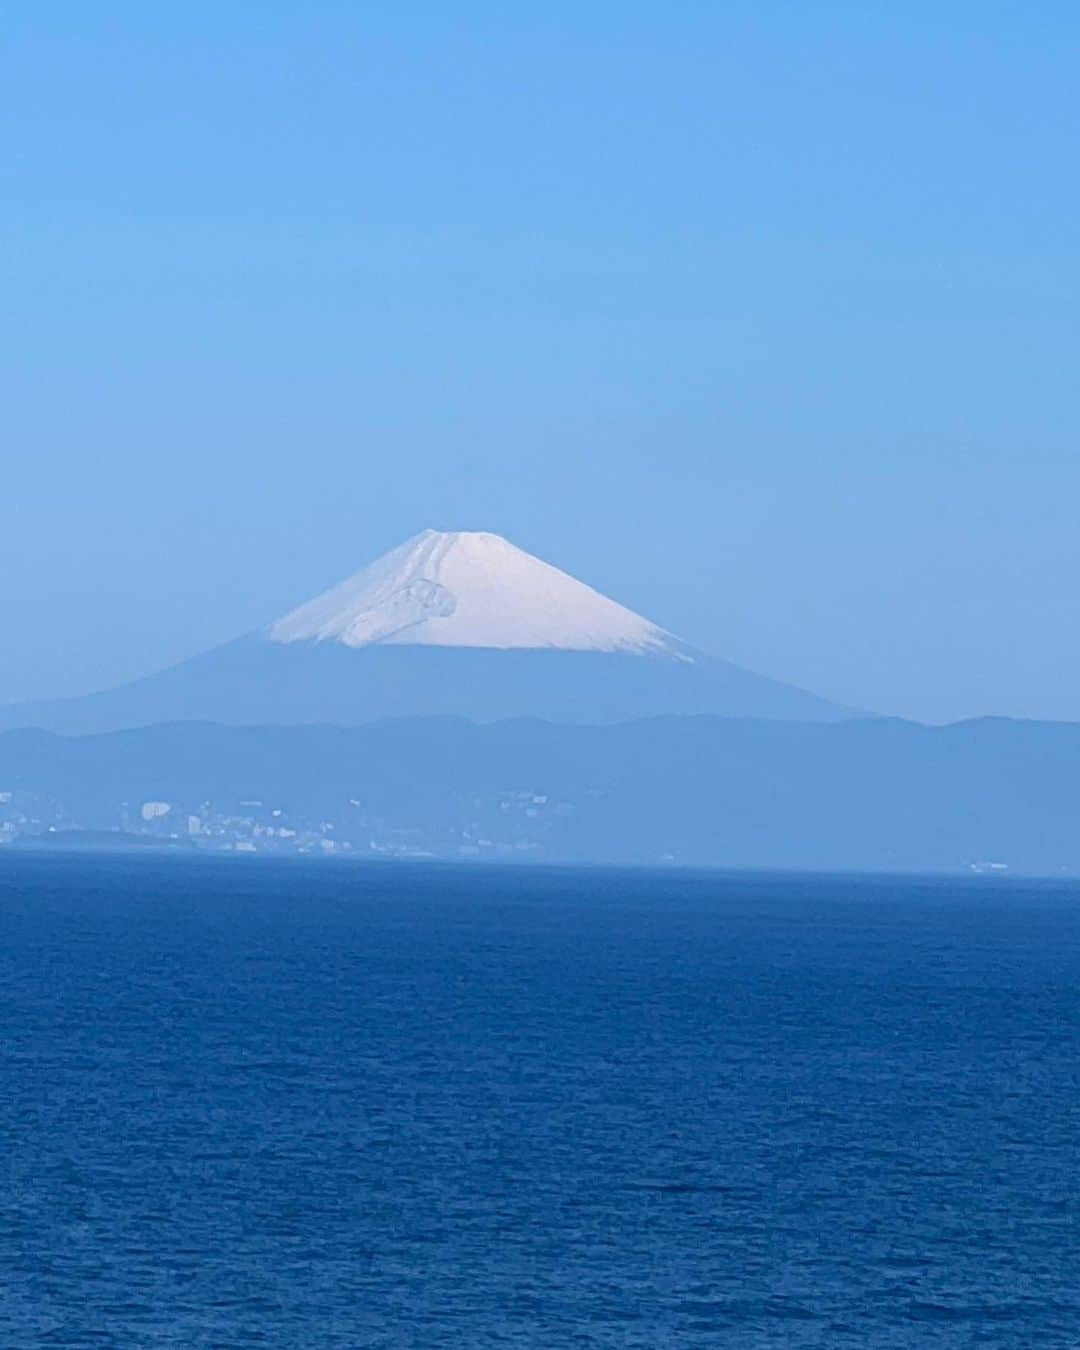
[865,793]
[461,624]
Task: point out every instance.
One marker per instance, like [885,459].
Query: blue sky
[761,317]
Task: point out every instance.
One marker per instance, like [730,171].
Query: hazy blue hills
[866,793]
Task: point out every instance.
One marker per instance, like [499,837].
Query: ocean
[255,1103]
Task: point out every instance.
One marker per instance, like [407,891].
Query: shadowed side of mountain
[254,681]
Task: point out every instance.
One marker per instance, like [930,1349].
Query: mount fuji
[460,623]
[471,590]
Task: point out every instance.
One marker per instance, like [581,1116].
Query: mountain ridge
[866,793]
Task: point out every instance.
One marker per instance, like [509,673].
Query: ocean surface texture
[293,1105]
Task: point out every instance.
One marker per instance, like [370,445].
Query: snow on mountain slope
[471,589]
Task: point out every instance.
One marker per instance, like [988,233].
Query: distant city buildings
[512,824]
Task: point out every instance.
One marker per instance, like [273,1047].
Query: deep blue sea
[247,1103]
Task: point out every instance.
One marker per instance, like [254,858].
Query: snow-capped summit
[471,589]
[459,625]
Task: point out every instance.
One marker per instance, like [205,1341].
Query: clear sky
[761,317]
